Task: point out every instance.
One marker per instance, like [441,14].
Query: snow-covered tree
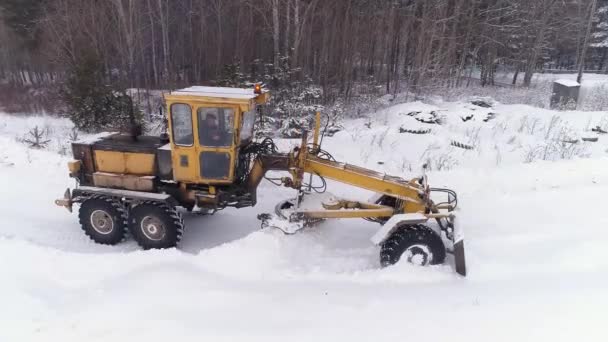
[232,76]
[599,36]
[94,105]
[600,32]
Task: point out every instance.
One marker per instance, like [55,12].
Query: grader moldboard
[209,160]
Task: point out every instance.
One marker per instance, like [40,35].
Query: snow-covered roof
[231,93]
[567,83]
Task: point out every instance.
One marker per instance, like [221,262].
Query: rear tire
[156,226]
[103,219]
[417,243]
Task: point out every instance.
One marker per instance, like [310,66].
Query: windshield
[215,126]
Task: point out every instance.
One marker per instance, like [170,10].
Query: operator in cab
[211,133]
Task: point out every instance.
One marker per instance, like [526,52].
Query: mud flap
[458,247]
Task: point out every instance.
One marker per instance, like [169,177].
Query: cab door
[216,142]
[184,154]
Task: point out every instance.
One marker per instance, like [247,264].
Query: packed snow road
[536,239]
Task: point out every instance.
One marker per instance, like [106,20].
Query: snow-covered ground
[592,96]
[594,86]
[400,139]
[531,204]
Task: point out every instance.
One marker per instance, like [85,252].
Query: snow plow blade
[459,260]
[458,247]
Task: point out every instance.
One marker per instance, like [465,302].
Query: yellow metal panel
[315,141]
[124,162]
[110,161]
[74,166]
[383,212]
[139,163]
[185,164]
[262,98]
[120,181]
[367,179]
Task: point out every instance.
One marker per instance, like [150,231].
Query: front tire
[156,226]
[103,220]
[418,244]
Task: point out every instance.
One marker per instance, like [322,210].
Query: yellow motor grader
[209,160]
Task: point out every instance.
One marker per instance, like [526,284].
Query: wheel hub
[102,222]
[418,255]
[153,228]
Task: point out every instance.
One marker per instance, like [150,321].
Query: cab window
[248,122]
[215,126]
[181,123]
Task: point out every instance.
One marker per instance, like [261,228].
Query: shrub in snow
[294,128]
[73,136]
[440,162]
[36,138]
[556,150]
[435,158]
[266,126]
[561,142]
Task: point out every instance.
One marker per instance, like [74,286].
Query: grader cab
[208,127]
[209,160]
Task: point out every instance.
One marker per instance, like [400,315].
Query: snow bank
[592,94]
[451,135]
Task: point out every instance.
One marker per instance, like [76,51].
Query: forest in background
[308,52]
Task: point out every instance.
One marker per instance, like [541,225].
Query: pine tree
[232,76]
[600,31]
[93,105]
[599,35]
[22,17]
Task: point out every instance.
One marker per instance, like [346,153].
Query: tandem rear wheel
[108,221]
[103,219]
[417,244]
[156,225]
